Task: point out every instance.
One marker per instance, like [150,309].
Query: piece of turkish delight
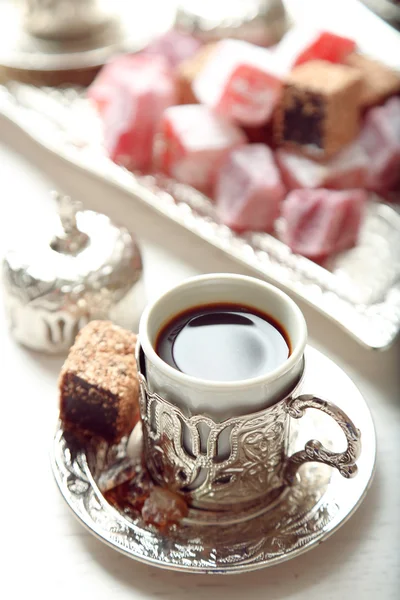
[319,111]
[327,46]
[380,138]
[174,46]
[321,222]
[345,170]
[249,189]
[130,495]
[303,44]
[240,81]
[134,112]
[378,81]
[103,87]
[164,508]
[193,142]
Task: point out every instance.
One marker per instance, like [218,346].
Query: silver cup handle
[314,451]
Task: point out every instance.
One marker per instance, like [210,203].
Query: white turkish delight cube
[135,110]
[249,189]
[193,142]
[240,81]
[321,222]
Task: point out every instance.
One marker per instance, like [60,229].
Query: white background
[46,552]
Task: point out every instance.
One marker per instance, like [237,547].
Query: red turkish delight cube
[192,144]
[327,46]
[249,189]
[174,46]
[303,44]
[346,170]
[321,222]
[240,81]
[103,87]
[134,112]
[381,141]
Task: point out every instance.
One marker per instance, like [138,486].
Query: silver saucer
[22,56]
[318,503]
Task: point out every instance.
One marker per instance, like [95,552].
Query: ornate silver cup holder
[239,464]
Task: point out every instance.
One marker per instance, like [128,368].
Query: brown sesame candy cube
[104,336]
[378,81]
[99,388]
[319,111]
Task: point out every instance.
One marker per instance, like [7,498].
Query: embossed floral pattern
[257,463]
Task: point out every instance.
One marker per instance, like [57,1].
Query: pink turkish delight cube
[103,87]
[302,44]
[381,141]
[174,46]
[192,144]
[249,189]
[346,170]
[321,222]
[134,112]
[240,81]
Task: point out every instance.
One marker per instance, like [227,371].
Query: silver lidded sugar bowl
[64,19]
[88,268]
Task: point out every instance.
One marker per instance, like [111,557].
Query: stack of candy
[304,130]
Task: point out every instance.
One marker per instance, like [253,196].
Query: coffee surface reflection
[223,342]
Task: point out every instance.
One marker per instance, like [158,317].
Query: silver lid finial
[71,240]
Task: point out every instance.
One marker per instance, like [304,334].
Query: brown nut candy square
[104,336]
[319,112]
[98,384]
[378,81]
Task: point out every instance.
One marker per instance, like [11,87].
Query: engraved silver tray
[318,503]
[358,289]
[388,10]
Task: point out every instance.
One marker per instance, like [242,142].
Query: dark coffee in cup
[223,342]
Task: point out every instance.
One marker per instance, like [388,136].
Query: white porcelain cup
[222,400]
[224,445]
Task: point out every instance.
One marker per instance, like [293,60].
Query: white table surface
[46,552]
